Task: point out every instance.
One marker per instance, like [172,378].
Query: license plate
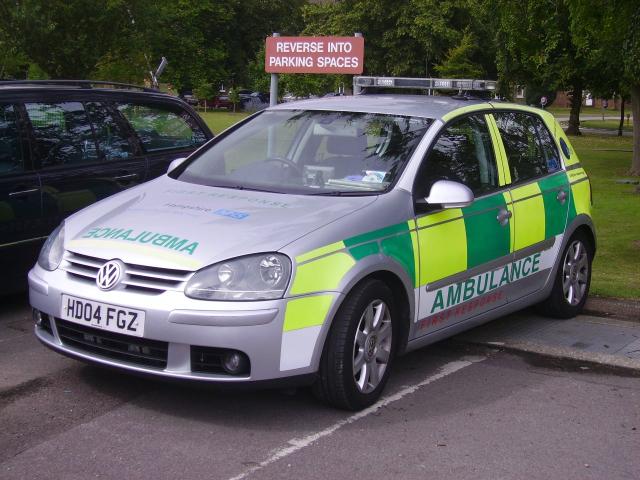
[104,316]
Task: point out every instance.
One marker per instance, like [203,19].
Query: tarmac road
[449,412]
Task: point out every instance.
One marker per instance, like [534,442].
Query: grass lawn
[219,120]
[616,214]
[616,211]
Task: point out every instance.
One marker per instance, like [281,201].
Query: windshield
[311,152]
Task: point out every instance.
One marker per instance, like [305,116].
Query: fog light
[235,363]
[37,317]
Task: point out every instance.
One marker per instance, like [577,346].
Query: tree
[234,97]
[631,49]
[536,44]
[406,37]
[607,33]
[65,38]
[458,61]
[13,62]
[204,92]
[205,41]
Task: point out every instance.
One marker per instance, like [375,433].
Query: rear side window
[62,133]
[463,153]
[11,153]
[162,127]
[549,149]
[528,144]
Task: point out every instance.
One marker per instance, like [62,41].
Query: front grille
[140,351]
[136,277]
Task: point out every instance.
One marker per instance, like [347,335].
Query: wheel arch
[582,224]
[401,297]
[391,273]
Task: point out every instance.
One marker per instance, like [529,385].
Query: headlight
[255,277]
[52,250]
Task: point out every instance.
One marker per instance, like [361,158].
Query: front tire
[359,349]
[573,279]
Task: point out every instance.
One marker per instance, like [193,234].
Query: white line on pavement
[296,444]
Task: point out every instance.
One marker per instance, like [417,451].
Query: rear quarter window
[528,144]
[163,127]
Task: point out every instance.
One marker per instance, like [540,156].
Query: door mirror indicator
[449,194]
[175,163]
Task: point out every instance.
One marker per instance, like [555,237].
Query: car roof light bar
[454,84]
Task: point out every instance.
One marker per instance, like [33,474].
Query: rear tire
[359,350]
[572,281]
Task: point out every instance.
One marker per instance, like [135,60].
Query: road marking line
[296,444]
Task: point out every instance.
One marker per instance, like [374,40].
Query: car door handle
[561,197]
[504,216]
[129,176]
[21,193]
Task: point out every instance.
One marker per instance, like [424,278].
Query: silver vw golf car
[317,240]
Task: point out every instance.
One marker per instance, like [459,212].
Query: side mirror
[175,163]
[449,194]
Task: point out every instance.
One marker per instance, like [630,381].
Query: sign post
[273,91]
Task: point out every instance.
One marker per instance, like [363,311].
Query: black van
[66,144]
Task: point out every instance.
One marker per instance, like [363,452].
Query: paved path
[564,120]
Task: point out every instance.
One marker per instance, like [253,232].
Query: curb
[607,307]
[614,316]
[573,358]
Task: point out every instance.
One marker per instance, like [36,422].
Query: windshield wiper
[343,193]
[243,187]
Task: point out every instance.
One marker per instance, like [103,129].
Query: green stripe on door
[400,248]
[376,234]
[486,240]
[555,218]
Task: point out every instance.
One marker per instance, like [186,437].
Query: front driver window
[462,153]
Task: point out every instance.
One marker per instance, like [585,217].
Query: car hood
[172,224]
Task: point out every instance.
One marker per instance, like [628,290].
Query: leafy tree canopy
[406,37]
[458,62]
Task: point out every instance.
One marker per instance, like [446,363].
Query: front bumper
[184,324]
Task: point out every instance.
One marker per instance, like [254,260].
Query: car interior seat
[346,154]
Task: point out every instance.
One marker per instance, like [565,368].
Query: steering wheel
[286,162]
[53,152]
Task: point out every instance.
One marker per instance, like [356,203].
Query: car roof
[22,90]
[70,84]
[85,86]
[426,106]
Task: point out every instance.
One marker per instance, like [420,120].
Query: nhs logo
[231,214]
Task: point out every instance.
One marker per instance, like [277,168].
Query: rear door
[166,131]
[82,154]
[21,233]
[463,251]
[539,195]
